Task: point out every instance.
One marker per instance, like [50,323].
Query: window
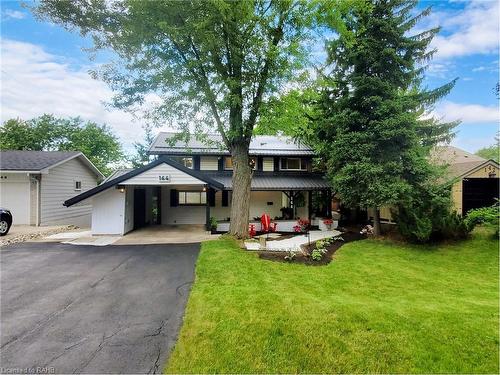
[228,163]
[78,185]
[192,198]
[186,161]
[293,164]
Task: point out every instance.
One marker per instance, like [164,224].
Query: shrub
[427,216]
[213,223]
[488,216]
[316,255]
[290,255]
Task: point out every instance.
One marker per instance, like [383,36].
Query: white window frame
[75,185]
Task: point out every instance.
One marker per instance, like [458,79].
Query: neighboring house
[189,183]
[34,185]
[477,179]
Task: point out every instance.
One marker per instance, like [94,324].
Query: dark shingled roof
[459,161]
[32,160]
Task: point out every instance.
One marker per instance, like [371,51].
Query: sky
[44,70]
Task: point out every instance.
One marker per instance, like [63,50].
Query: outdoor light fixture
[121,188]
[204,188]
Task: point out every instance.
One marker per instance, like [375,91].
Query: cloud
[473,30]
[467,113]
[35,82]
[13,14]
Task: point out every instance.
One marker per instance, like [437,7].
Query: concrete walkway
[157,234]
[150,235]
[294,243]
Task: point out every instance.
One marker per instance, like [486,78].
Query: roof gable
[127,177]
[41,161]
[32,160]
[153,177]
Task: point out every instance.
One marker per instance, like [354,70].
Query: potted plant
[328,223]
[213,225]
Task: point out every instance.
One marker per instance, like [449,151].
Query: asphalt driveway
[86,309]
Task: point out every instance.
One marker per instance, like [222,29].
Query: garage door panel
[479,192]
[14,196]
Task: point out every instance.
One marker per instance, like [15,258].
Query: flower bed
[305,257]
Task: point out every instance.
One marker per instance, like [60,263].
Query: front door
[139,208]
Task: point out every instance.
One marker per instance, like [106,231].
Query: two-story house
[190,182]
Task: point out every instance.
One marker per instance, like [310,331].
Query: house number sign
[163,178]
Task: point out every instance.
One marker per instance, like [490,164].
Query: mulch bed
[304,258]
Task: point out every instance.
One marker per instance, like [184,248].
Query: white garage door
[14,196]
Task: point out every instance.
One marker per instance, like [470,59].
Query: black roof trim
[138,171]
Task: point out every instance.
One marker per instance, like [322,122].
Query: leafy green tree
[287,114]
[49,133]
[372,131]
[492,152]
[141,156]
[211,62]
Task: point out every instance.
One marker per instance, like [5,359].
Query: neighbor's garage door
[479,192]
[14,196]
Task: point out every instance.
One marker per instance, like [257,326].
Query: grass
[379,307]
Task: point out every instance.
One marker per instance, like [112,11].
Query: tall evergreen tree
[372,130]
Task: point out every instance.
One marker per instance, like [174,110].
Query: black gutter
[89,193]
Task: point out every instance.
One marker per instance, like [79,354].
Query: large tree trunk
[376,221]
[242,177]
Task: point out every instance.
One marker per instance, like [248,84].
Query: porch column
[207,209]
[309,205]
[329,203]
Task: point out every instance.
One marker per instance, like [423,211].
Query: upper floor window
[293,164]
[228,163]
[78,185]
[186,161]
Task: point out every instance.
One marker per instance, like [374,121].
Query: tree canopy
[491,152]
[371,128]
[208,65]
[49,133]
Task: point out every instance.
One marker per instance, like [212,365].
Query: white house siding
[108,213]
[268,164]
[219,212]
[258,203]
[15,196]
[180,214]
[151,177]
[58,186]
[196,214]
[209,163]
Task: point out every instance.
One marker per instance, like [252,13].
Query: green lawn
[378,307]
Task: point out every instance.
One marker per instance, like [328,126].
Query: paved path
[86,309]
